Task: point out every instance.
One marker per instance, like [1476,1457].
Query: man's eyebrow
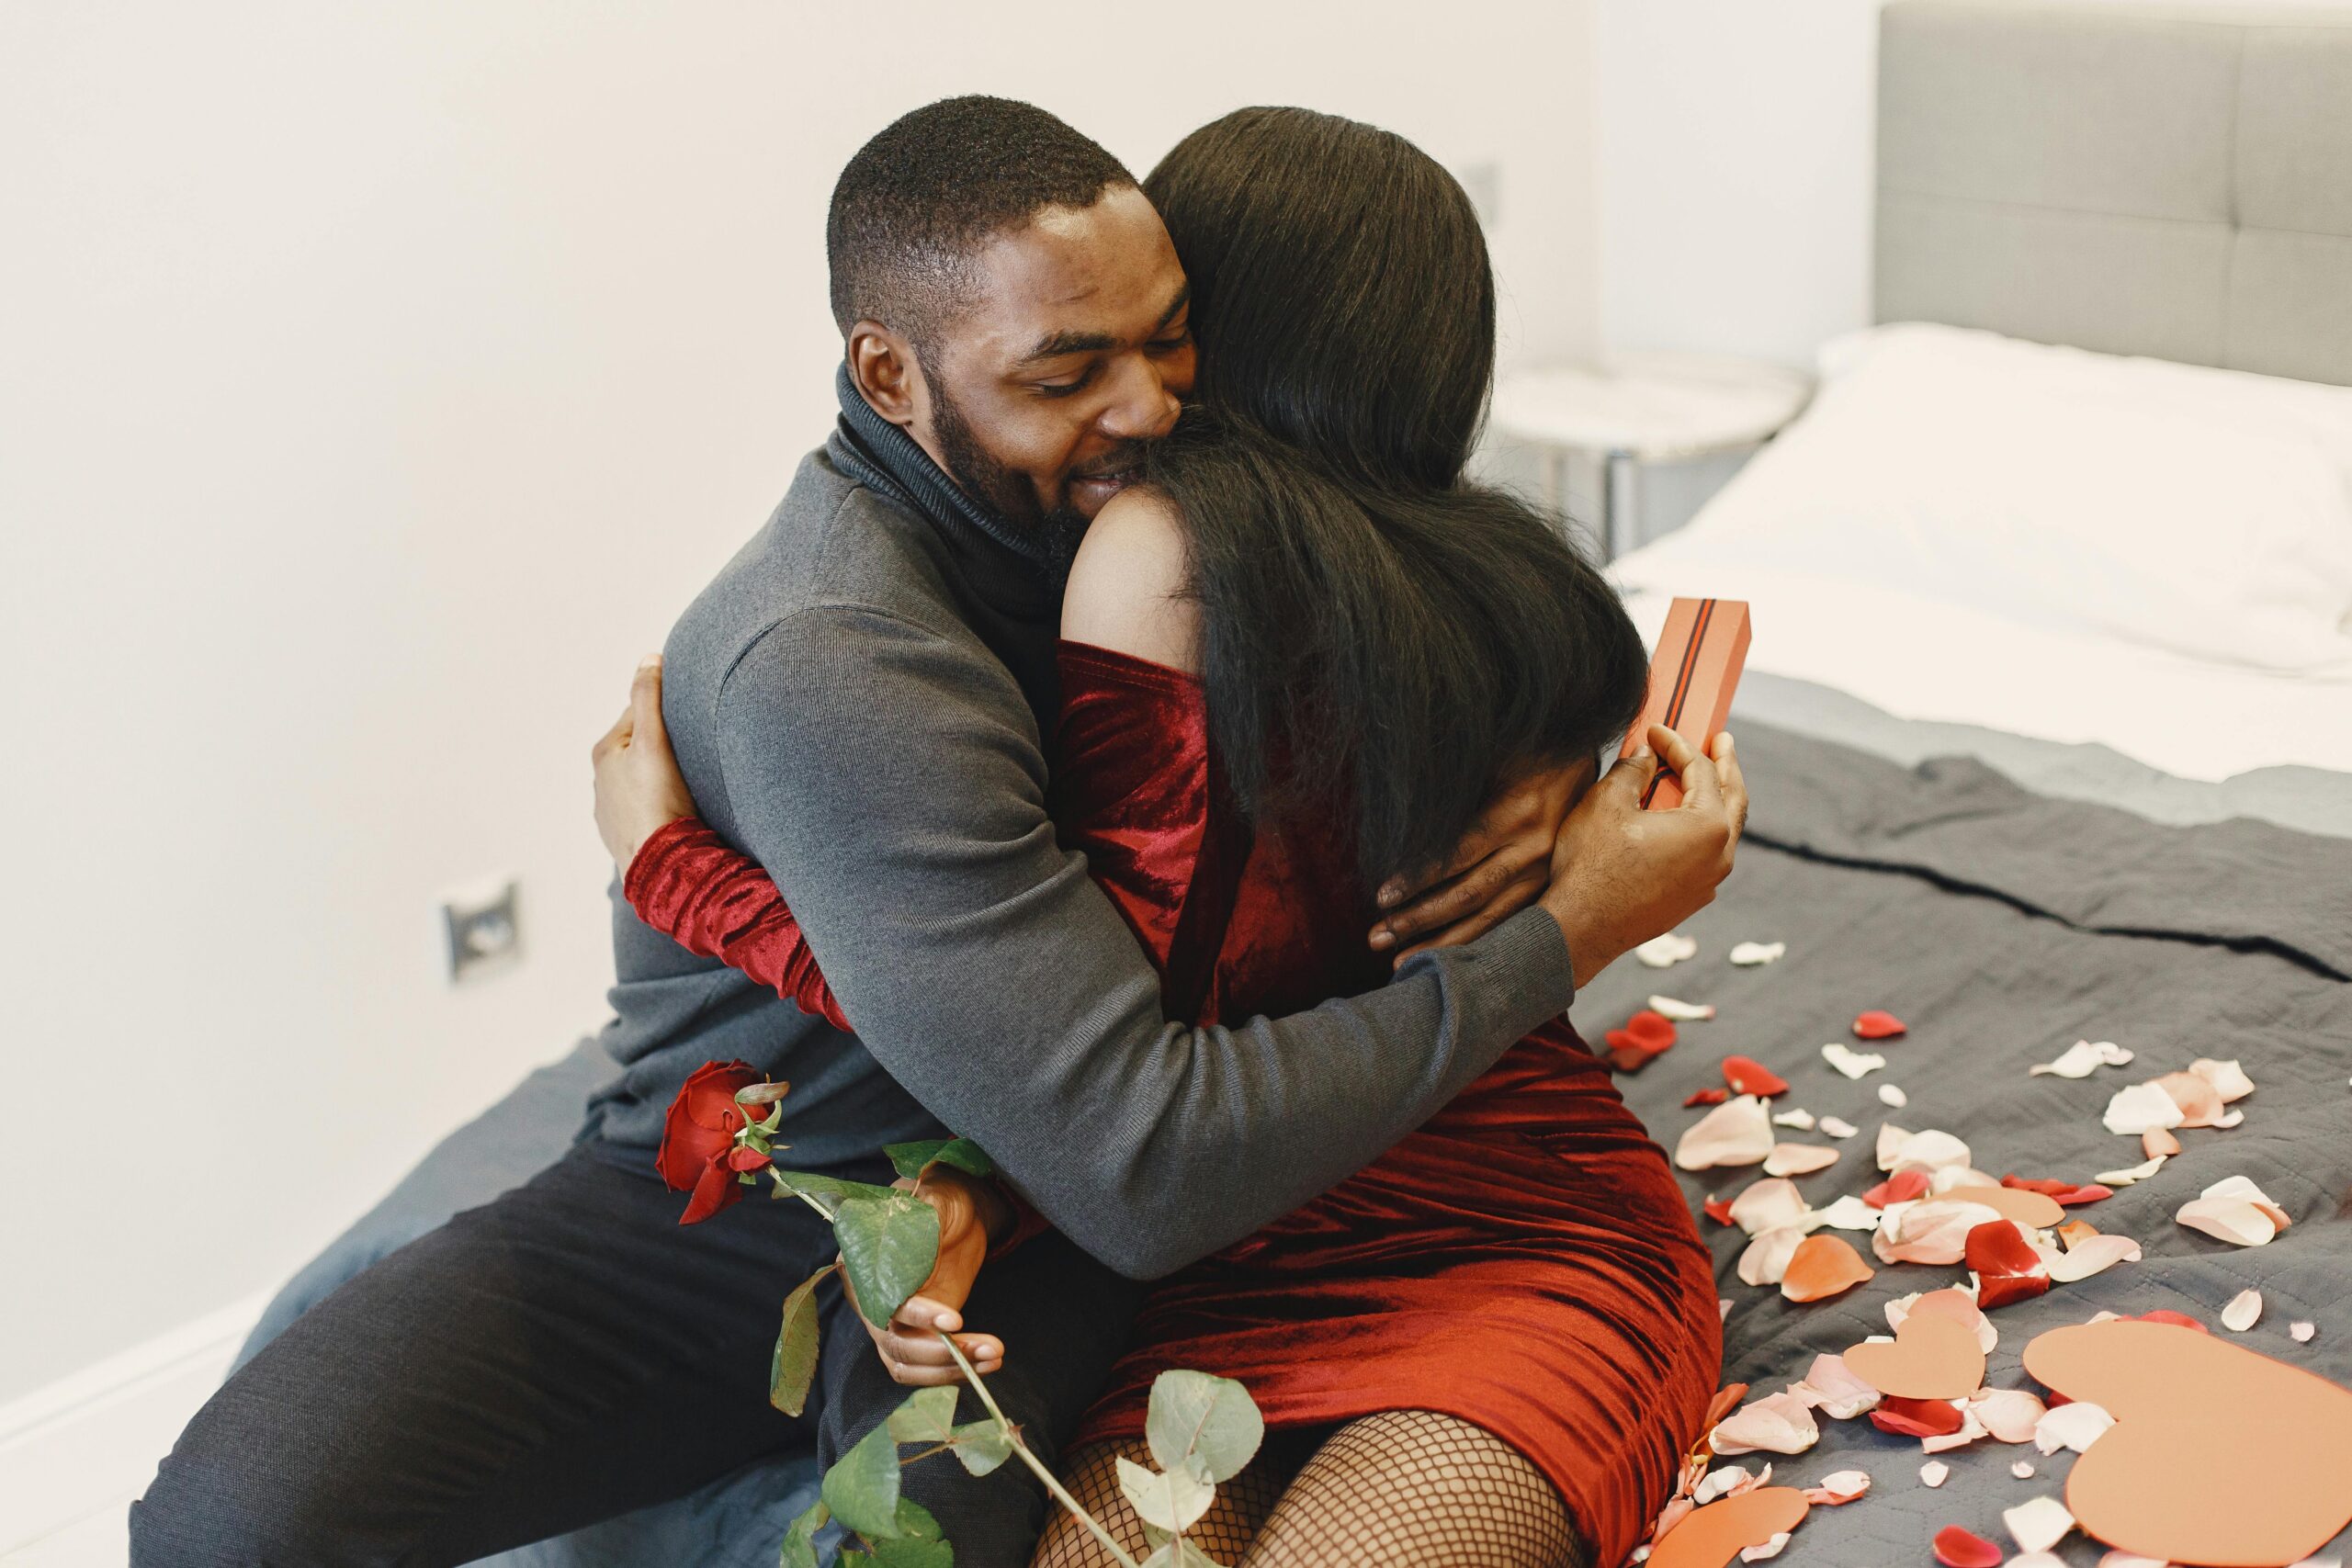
[1054,346]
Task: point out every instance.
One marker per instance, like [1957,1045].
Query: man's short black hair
[919,199]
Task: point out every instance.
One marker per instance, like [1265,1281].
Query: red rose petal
[2066,1194]
[1646,1034]
[1726,1400]
[1900,1188]
[1706,1097]
[1916,1417]
[2178,1319]
[1876,1025]
[2007,1268]
[1956,1548]
[1718,1210]
[740,1159]
[1652,1029]
[1748,1076]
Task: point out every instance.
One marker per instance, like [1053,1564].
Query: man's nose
[1143,406]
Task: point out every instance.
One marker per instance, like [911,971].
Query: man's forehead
[1108,268]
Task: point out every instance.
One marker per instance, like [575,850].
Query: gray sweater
[860,700]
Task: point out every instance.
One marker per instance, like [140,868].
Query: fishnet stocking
[1405,1489]
[1411,1487]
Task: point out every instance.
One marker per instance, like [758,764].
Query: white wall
[376,382]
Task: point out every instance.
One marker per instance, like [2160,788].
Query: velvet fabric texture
[1524,1261]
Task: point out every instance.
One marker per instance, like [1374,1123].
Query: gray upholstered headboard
[2166,180]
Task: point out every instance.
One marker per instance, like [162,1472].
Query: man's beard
[1008,494]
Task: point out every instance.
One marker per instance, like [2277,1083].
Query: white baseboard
[92,1439]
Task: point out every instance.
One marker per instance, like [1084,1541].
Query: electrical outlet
[481,932]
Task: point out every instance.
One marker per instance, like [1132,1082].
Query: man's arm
[888,778]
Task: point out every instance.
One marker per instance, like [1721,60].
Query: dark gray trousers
[568,1352]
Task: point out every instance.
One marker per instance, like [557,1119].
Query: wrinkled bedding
[2002,925]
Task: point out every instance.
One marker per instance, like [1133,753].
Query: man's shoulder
[833,551]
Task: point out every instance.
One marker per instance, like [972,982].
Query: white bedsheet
[1919,659]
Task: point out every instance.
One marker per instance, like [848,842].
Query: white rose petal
[2082,1058]
[1838,1127]
[2242,1313]
[1796,1116]
[2233,1220]
[1845,1485]
[1849,1213]
[1852,1063]
[1765,1260]
[1774,1423]
[1770,1548]
[1798,1159]
[1749,954]
[2131,1174]
[2093,1254]
[2022,1470]
[2300,1332]
[1719,1483]
[2228,1079]
[1737,1131]
[2131,1111]
[1665,952]
[2074,1425]
[2039,1524]
[1932,1474]
[1681,1012]
[1891,1097]
[1769,1205]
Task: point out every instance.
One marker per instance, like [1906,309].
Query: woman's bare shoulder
[1129,586]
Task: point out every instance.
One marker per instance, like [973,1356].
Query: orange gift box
[1692,676]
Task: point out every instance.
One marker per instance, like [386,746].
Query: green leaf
[794,1365]
[1174,1500]
[983,1446]
[831,1188]
[928,1416]
[862,1489]
[917,1543]
[888,1245]
[1201,1421]
[800,1543]
[960,1153]
[1181,1554]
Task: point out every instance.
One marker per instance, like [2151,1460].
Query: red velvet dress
[1523,1261]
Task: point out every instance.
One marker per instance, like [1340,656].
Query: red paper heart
[1956,1548]
[2007,1268]
[1876,1025]
[1900,1188]
[1915,1417]
[1748,1076]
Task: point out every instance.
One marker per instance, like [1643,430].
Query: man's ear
[884,367]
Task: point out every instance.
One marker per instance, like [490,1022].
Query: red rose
[698,1136]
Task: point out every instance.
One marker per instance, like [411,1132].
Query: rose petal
[2009,1415]
[1891,1097]
[2022,1470]
[1852,1063]
[2244,1186]
[1682,1013]
[1706,1097]
[2075,1425]
[1831,1387]
[2093,1254]
[1766,1258]
[1664,951]
[2126,1560]
[1736,1132]
[1917,1417]
[1839,1487]
[1934,1150]
[2038,1524]
[1934,1473]
[1725,1481]
[2200,1105]
[2228,1079]
[1822,1267]
[1903,1187]
[1717,1210]
[1955,1302]
[1838,1127]
[2157,1144]
[1876,1025]
[1971,1428]
[1748,1076]
[2233,1220]
[1777,1423]
[1747,954]
[1797,1117]
[2131,1174]
[2081,1060]
[1933,1232]
[2066,1194]
[2178,1319]
[2300,1332]
[1771,1547]
[2131,1111]
[1956,1548]
[1768,1205]
[2242,1313]
[1799,1160]
[1848,1214]
[2007,1268]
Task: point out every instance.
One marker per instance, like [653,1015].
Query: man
[857,702]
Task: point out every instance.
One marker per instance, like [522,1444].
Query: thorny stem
[1012,1435]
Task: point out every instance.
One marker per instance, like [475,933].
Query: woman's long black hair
[1376,631]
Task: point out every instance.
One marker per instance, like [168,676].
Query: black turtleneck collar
[1007,565]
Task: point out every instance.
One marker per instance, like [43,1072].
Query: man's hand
[639,788]
[969,1209]
[1501,866]
[1621,875]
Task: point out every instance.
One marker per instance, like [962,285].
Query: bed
[1989,799]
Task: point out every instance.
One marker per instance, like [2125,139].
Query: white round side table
[1643,408]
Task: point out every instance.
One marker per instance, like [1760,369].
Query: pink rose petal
[1798,1159]
[1774,1423]
[1768,1205]
[2009,1415]
[2094,1254]
[1737,1133]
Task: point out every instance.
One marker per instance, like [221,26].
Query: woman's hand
[639,788]
[970,1209]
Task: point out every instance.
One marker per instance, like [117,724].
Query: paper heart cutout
[2023,1204]
[1711,1537]
[2219,1456]
[1931,1356]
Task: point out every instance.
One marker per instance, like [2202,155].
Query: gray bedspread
[2003,926]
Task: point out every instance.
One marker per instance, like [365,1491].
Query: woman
[1295,664]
